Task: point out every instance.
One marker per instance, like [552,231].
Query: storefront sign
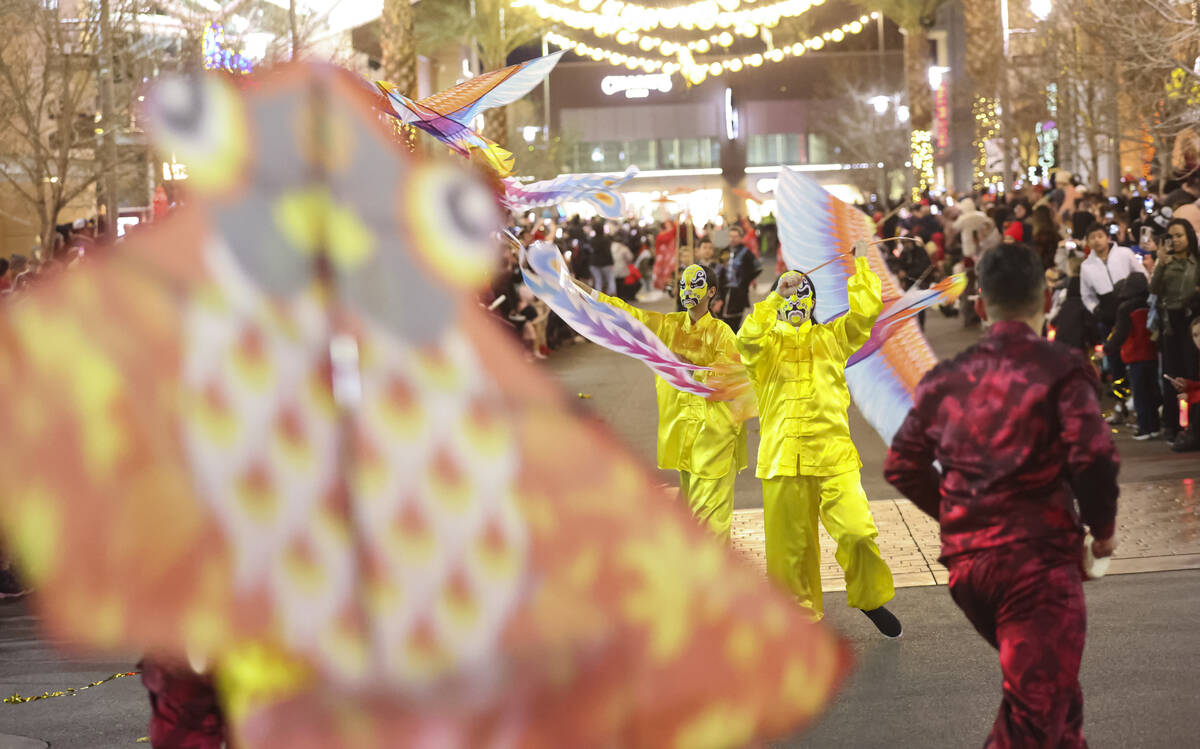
[635,86]
[173,170]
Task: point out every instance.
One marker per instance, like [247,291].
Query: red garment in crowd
[939,239]
[1004,418]
[665,256]
[1138,346]
[749,237]
[1015,230]
[1191,391]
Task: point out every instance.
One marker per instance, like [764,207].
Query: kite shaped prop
[447,115]
[547,276]
[274,432]
[816,231]
[597,190]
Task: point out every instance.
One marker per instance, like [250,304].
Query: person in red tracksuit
[1000,443]
[1130,340]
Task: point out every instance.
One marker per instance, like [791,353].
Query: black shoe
[1170,435]
[1186,443]
[886,622]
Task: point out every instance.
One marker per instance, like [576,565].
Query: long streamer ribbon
[19,699]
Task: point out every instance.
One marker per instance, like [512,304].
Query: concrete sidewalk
[1158,529]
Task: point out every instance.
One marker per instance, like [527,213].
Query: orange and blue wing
[814,228]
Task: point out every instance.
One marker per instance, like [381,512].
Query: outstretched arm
[650,319]
[757,333]
[866,302]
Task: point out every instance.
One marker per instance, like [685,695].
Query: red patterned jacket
[1014,423]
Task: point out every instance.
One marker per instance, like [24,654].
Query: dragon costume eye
[200,121]
[454,219]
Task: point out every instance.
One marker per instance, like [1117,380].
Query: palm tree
[496,27]
[914,17]
[399,63]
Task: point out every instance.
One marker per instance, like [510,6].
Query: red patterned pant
[184,712]
[1027,601]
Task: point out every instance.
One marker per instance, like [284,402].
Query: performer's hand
[1176,382]
[788,284]
[1105,548]
[859,248]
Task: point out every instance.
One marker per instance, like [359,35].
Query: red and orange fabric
[243,439]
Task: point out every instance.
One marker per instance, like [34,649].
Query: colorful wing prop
[274,433]
[816,229]
[447,115]
[547,276]
[600,191]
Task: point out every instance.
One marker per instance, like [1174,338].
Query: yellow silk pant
[710,500]
[791,506]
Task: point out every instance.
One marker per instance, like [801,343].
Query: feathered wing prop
[600,191]
[547,276]
[816,231]
[447,115]
[244,436]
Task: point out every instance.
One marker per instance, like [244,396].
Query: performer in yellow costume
[702,439]
[806,460]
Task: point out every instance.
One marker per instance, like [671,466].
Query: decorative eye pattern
[199,121]
[454,219]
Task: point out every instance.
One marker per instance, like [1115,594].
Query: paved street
[937,687]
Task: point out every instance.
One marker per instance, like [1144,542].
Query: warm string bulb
[607,17]
[697,71]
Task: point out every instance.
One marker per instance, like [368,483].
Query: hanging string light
[987,126]
[610,16]
[921,149]
[697,71]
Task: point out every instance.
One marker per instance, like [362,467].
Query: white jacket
[1097,277]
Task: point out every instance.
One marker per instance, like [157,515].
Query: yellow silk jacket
[799,378]
[695,435]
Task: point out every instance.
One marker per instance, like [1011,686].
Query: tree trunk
[495,125]
[399,63]
[293,28]
[985,66]
[916,75]
[108,119]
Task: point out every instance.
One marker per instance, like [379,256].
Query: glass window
[775,149]
[819,151]
[642,153]
[689,153]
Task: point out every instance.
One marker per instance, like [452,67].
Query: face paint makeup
[693,286]
[799,306]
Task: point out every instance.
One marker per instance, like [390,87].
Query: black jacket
[1074,325]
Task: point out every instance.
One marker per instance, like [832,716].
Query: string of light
[697,71]
[615,15]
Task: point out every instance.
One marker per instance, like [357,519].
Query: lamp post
[1005,110]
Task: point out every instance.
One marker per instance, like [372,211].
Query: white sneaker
[1143,436]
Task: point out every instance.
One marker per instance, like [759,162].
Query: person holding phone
[1174,284]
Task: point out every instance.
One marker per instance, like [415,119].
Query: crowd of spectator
[1124,271]
[69,245]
